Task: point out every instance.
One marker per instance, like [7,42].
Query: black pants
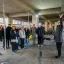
[0,38]
[59,45]
[3,43]
[7,43]
[13,46]
[22,43]
[40,40]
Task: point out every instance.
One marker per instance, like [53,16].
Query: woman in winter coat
[13,39]
[27,33]
[22,37]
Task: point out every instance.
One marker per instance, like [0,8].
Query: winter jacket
[22,34]
[58,34]
[8,29]
[0,34]
[27,33]
[34,32]
[40,31]
[13,34]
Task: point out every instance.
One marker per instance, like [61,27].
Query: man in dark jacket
[40,33]
[58,36]
[8,29]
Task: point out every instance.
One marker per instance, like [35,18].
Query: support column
[56,25]
[35,19]
[10,21]
[45,26]
[62,5]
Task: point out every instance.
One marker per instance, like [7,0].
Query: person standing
[27,33]
[58,36]
[40,33]
[13,39]
[17,34]
[34,34]
[3,37]
[1,43]
[22,37]
[8,29]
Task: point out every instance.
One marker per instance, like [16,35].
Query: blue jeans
[26,44]
[16,46]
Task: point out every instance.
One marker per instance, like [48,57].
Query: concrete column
[56,25]
[10,21]
[45,26]
[35,19]
[62,5]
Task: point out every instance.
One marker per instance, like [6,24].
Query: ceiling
[43,4]
[52,17]
[11,7]
[18,9]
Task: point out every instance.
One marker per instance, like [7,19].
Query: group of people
[18,36]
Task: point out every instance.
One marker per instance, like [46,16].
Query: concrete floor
[31,55]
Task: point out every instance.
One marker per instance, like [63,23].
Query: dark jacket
[40,31]
[13,34]
[0,34]
[17,33]
[3,33]
[8,29]
[27,33]
[58,34]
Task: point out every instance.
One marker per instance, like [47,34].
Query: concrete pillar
[56,25]
[45,26]
[62,5]
[50,25]
[35,19]
[10,21]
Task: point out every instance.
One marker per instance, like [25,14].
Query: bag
[30,37]
[14,40]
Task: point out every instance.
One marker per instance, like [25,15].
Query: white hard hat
[39,24]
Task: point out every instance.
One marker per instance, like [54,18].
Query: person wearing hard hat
[40,34]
